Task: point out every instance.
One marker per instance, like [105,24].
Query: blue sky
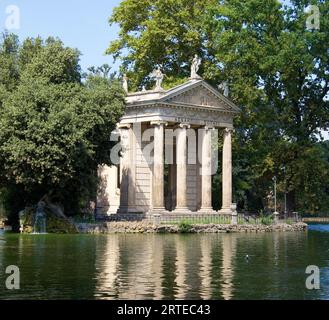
[80,24]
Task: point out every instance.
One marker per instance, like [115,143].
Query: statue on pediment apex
[196,63]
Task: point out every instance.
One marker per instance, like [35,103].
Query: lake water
[207,266]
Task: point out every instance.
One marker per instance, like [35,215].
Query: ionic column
[227,171]
[181,173]
[158,166]
[206,188]
[127,189]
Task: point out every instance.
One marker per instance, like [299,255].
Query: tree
[166,33]
[9,74]
[277,71]
[54,128]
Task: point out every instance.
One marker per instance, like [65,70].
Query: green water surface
[207,266]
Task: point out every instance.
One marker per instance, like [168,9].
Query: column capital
[184,125]
[159,123]
[124,126]
[208,127]
[229,130]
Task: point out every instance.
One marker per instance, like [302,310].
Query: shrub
[184,227]
[266,220]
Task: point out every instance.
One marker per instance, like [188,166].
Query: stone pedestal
[234,219]
[276,217]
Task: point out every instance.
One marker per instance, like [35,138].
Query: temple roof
[193,93]
[195,102]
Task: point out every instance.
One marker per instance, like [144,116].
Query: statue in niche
[195,67]
[158,76]
[224,88]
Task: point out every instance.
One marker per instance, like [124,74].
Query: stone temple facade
[168,152]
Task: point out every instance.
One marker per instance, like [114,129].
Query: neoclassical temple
[167,150]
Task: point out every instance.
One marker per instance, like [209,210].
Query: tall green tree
[9,74]
[55,128]
[166,33]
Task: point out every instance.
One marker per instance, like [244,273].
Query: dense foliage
[277,71]
[54,126]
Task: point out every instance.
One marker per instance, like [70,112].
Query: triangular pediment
[199,94]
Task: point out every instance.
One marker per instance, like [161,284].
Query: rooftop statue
[158,76]
[195,67]
[224,88]
[125,83]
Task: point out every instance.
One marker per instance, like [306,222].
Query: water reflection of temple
[229,251]
[108,267]
[129,275]
[165,267]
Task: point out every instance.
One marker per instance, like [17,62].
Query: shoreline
[316,219]
[142,227]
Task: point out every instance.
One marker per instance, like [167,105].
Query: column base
[207,211]
[225,211]
[159,210]
[126,210]
[181,210]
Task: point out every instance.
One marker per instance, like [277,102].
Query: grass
[265,220]
[191,221]
[289,221]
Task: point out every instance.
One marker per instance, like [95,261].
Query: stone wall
[108,195]
[143,191]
